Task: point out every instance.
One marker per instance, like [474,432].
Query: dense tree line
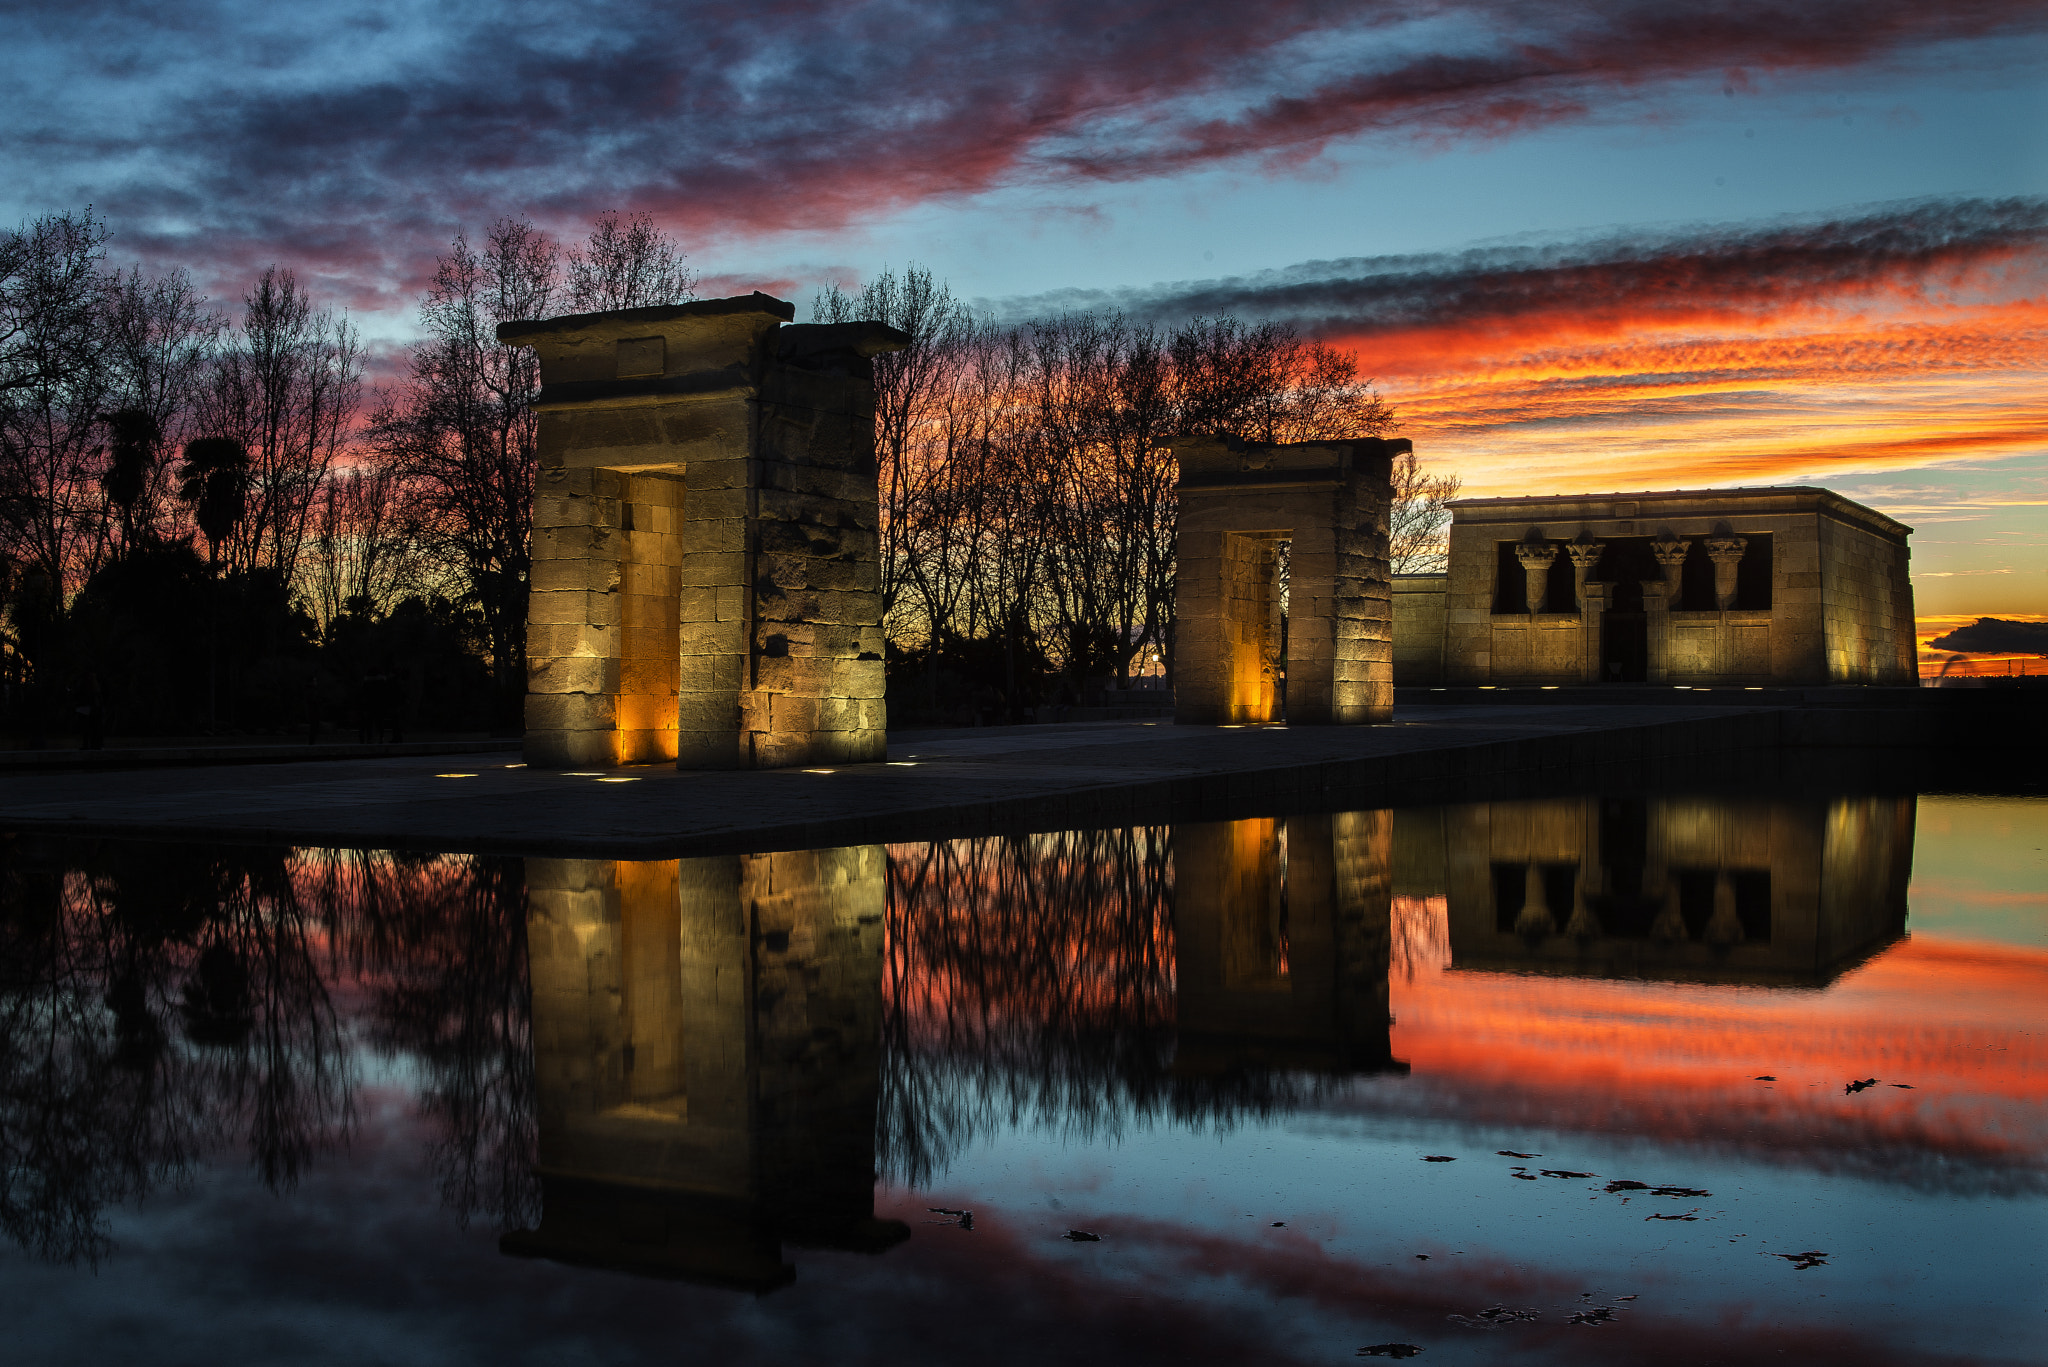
[207,525]
[203,527]
[1027,483]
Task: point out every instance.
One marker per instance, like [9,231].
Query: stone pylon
[1328,502]
[706,560]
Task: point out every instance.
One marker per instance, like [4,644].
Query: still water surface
[1567,1080]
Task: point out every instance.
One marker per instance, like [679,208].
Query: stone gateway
[1327,504]
[706,560]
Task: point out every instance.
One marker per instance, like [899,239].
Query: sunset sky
[1584,246]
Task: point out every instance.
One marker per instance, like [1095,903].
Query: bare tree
[627,263]
[1416,543]
[160,338]
[911,386]
[462,433]
[54,385]
[360,558]
[286,386]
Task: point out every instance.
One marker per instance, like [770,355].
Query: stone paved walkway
[936,785]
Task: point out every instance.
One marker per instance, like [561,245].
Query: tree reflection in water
[441,943]
[159,1004]
[1033,980]
[162,1004]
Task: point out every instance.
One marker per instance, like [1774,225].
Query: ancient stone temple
[1281,938]
[706,580]
[1743,587]
[1770,891]
[1325,657]
[707,1047]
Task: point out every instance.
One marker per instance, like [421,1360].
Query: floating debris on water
[1438,1158]
[1524,1176]
[1510,1153]
[1279,1224]
[1679,1191]
[1567,1172]
[962,1218]
[1627,1186]
[1081,1236]
[1389,1350]
[1813,1257]
[1496,1317]
[1763,1077]
[1907,1085]
[1687,1216]
[1855,1087]
[1597,1315]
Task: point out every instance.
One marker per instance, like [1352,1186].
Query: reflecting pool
[1680,1077]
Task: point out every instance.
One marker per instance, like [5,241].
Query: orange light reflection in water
[1961,1024]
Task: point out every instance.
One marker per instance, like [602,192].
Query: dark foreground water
[1668,1079]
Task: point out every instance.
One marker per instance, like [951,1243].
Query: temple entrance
[1624,646]
[1320,510]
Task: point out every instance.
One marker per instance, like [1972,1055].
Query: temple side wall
[1419,604]
[816,696]
[1867,601]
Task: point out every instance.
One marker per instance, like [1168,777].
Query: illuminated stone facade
[1703,588]
[706,573]
[1240,502]
[706,1039]
[1789,892]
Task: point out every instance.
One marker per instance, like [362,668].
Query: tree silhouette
[215,482]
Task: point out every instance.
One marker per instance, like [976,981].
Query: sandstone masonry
[706,572]
[1239,503]
[1695,587]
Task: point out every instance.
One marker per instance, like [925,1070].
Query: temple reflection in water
[724,1054]
[1282,932]
[1703,889]
[706,1049]
[710,1043]
[727,1051]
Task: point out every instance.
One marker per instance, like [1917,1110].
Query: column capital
[1726,550]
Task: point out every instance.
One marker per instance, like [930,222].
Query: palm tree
[215,482]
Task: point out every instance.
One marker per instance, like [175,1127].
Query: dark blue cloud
[351,139]
[1912,247]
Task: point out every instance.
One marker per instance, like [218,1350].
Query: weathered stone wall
[1330,501]
[1419,606]
[1867,603]
[706,565]
[1839,600]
